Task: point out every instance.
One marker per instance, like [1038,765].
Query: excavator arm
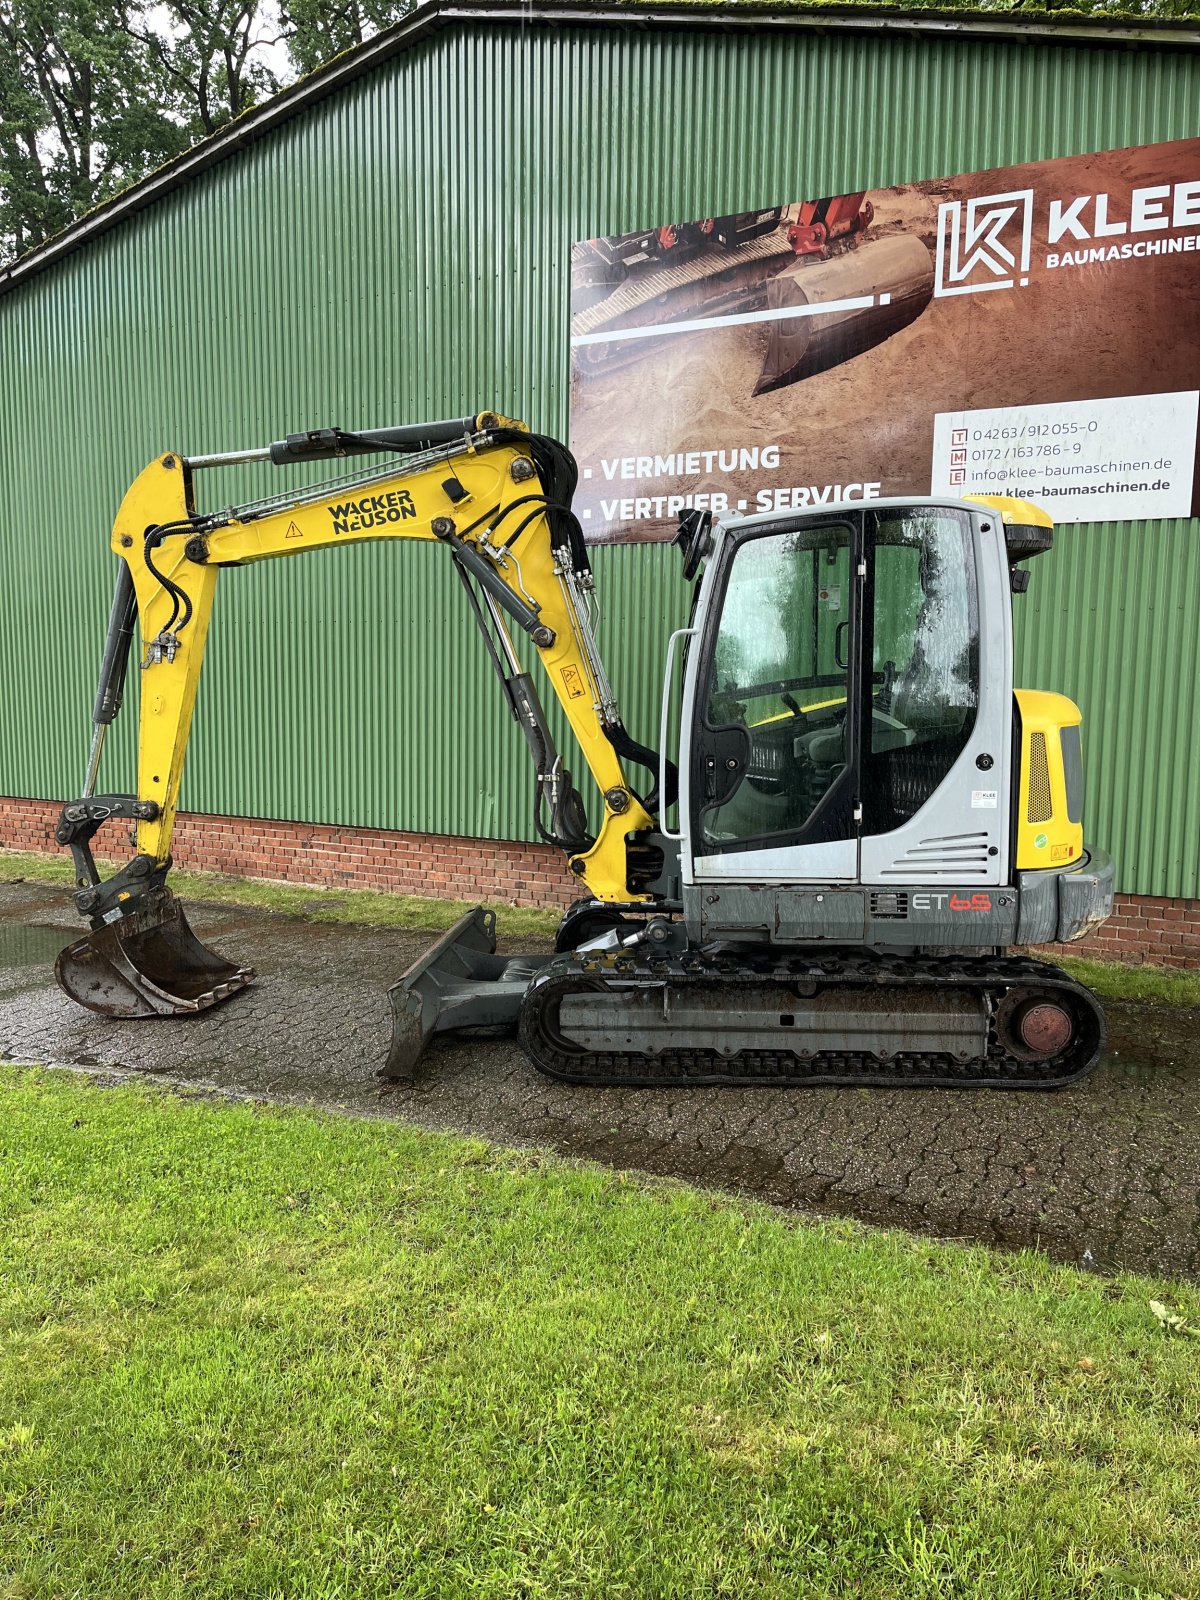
[497,499]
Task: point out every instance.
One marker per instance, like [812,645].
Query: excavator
[869,816]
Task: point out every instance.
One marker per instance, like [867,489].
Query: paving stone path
[1106,1172]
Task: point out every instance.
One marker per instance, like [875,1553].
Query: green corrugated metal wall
[400,250]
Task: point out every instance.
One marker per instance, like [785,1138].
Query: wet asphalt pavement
[1106,1172]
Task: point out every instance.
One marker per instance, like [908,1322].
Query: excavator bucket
[150,964]
[872,292]
[460,982]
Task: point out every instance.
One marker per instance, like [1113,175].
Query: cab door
[937,715]
[773,771]
[850,706]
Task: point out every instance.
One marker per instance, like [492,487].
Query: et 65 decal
[952,901]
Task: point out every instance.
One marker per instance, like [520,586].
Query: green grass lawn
[1117,980]
[260,1353]
[369,908]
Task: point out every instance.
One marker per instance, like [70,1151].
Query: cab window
[923,626]
[775,740]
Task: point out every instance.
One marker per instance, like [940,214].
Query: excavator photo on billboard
[630,291]
[869,814]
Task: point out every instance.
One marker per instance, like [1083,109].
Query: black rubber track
[993,976]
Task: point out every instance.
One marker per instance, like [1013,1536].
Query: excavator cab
[832,702]
[849,721]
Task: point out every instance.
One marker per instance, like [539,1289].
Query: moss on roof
[1039,14]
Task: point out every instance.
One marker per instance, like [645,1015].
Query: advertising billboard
[1031,330]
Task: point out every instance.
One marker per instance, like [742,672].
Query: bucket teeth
[149,964]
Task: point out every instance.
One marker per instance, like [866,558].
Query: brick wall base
[1142,927]
[435,864]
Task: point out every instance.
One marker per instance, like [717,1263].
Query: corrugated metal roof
[1067,26]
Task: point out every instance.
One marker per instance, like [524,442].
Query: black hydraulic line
[485,574]
[155,537]
[487,517]
[537,738]
[171,587]
[543,509]
[568,820]
[526,708]
[481,622]
[559,474]
[496,515]
[115,661]
[629,749]
[507,511]
[415,436]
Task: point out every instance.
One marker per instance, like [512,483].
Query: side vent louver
[959,855]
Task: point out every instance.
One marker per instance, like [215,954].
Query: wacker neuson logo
[372,511]
[987,242]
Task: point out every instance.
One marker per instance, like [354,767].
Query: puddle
[24,946]
[1139,1071]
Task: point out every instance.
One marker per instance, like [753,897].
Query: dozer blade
[874,291]
[149,964]
[460,982]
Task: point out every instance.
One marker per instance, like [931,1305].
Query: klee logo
[984,243]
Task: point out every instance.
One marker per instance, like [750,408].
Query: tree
[80,115]
[94,94]
[212,58]
[322,29]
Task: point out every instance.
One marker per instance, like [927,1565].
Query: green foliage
[94,94]
[322,29]
[259,1353]
[209,58]
[81,112]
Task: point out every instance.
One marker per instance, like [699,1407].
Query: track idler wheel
[148,964]
[1035,1025]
